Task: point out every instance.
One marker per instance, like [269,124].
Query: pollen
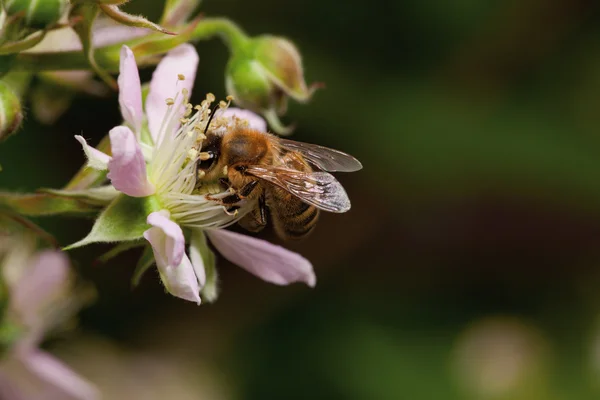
[201,174]
[181,77]
[225,170]
[210,97]
[205,156]
[170,101]
[192,153]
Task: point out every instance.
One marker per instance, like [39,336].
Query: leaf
[44,204]
[123,220]
[144,263]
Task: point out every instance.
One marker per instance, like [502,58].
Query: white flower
[159,162]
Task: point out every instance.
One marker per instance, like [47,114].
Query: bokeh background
[469,265]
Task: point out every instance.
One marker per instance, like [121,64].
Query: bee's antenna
[210,117]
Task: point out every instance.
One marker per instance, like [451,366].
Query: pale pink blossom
[36,287]
[155,154]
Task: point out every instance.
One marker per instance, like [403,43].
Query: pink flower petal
[267,261]
[166,238]
[130,90]
[180,280]
[175,268]
[40,283]
[96,159]
[127,168]
[254,120]
[56,380]
[182,60]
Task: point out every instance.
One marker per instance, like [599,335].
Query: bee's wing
[319,189]
[324,158]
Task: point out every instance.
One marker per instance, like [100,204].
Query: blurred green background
[469,265]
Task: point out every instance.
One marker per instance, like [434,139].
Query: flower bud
[37,14]
[10,111]
[264,74]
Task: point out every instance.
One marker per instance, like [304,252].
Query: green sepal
[123,220]
[210,290]
[144,263]
[44,204]
[23,44]
[100,196]
[113,11]
[118,249]
[160,44]
[177,12]
[88,177]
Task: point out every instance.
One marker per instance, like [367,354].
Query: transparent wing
[324,158]
[319,189]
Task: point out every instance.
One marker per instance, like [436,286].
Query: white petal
[96,159]
[254,120]
[127,168]
[180,280]
[182,60]
[130,90]
[267,261]
[166,238]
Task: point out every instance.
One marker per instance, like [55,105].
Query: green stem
[108,57]
[231,34]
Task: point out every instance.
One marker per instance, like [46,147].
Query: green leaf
[210,291]
[123,220]
[144,263]
[44,204]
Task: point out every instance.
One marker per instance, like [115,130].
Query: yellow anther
[170,101]
[181,77]
[210,97]
[205,156]
[192,153]
[222,104]
[225,170]
[201,174]
[229,98]
[185,91]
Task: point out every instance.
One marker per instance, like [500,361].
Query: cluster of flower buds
[11,114]
[263,74]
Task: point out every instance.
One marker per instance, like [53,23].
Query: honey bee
[287,180]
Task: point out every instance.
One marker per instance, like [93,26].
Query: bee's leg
[236,196]
[256,219]
[247,189]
